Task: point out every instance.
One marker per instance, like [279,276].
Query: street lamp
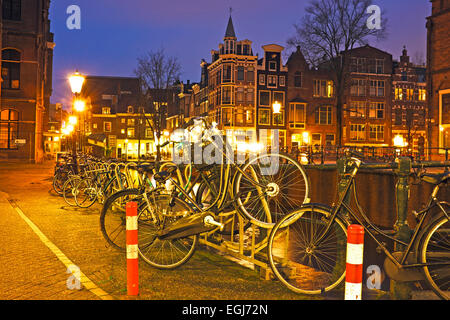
[79,105]
[73,120]
[276,109]
[76,82]
[399,142]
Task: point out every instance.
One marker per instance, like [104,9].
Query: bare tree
[418,58]
[327,31]
[157,73]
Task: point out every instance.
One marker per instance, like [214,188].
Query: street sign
[20,142]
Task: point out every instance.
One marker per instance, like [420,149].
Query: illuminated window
[9,128]
[107,126]
[130,132]
[376,132]
[409,94]
[227,117]
[106,110]
[297,115]
[148,133]
[323,88]
[398,94]
[357,132]
[422,95]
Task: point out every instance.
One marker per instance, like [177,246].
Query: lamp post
[126,149]
[76,81]
[276,109]
[399,143]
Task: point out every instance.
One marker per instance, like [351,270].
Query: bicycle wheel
[298,260]
[274,185]
[435,251]
[58,181]
[69,190]
[113,217]
[85,193]
[161,211]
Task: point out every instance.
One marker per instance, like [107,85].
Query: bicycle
[170,219]
[98,185]
[307,247]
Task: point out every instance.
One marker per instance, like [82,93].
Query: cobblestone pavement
[41,237]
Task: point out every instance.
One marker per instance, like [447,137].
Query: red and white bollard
[354,267]
[132,249]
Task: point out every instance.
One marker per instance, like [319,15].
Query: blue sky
[115,32]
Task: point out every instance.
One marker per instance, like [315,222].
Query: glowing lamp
[76,82]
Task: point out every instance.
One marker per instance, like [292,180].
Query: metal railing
[325,154]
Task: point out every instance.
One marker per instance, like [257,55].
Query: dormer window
[246,50]
[130,109]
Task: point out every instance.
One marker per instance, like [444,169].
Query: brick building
[438,74]
[231,89]
[118,122]
[111,122]
[368,98]
[271,88]
[26,64]
[409,110]
[367,101]
[310,96]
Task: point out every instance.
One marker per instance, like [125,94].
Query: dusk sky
[115,32]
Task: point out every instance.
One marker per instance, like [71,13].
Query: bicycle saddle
[162,176]
[146,167]
[436,178]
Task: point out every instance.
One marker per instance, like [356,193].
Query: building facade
[271,88]
[438,76]
[26,64]
[409,110]
[310,96]
[231,88]
[367,110]
[112,124]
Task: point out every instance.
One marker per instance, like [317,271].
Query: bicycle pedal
[379,249]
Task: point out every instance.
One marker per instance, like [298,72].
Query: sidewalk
[29,270]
